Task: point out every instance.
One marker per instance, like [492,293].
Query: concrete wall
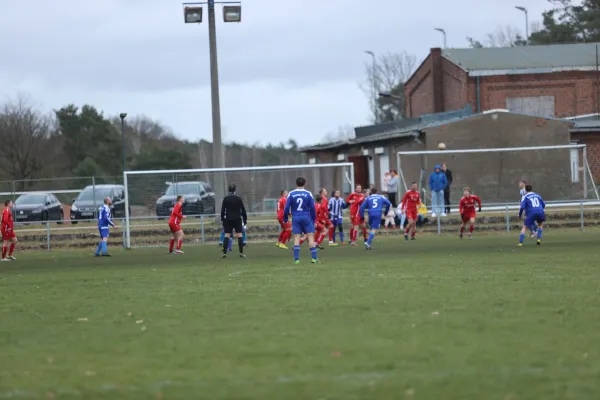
[494,176]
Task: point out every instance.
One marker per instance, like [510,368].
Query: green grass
[431,319]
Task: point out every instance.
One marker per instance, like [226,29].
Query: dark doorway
[361,170]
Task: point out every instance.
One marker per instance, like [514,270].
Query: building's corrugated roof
[544,58]
[585,125]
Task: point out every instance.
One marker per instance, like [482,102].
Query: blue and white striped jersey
[336,205]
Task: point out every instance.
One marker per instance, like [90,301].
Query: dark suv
[199,199]
[86,205]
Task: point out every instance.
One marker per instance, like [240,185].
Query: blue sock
[533,228]
[99,249]
[230,246]
[222,237]
[104,247]
[342,237]
[313,253]
[521,238]
[370,239]
[244,235]
[539,233]
[296,253]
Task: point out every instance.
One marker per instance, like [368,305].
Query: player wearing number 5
[376,205]
[533,205]
[301,204]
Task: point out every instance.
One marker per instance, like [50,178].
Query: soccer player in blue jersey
[375,205]
[523,192]
[336,207]
[302,206]
[533,205]
[104,222]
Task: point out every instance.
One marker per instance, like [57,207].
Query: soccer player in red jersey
[352,199]
[360,223]
[9,238]
[322,219]
[286,227]
[466,208]
[174,221]
[410,204]
[324,202]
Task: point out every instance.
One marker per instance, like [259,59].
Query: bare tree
[343,133]
[25,135]
[503,36]
[387,74]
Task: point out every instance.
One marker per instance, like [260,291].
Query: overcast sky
[291,69]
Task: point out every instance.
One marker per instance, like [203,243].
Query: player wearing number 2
[375,204]
[301,204]
[467,211]
[533,205]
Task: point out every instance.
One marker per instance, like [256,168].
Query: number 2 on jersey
[299,204]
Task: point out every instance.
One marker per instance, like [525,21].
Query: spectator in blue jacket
[437,184]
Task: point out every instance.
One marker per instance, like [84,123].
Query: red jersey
[410,201]
[467,204]
[281,207]
[354,204]
[7,220]
[322,212]
[358,204]
[176,215]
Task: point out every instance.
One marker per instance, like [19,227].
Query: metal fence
[262,227]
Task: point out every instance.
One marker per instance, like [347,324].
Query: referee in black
[233,216]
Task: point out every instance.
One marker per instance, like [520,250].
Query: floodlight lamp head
[192,15]
[122,115]
[521,8]
[232,13]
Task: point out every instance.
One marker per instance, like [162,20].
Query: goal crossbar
[493,150]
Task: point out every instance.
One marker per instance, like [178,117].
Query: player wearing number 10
[375,205]
[301,204]
[533,205]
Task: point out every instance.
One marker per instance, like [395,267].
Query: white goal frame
[126,174]
[582,147]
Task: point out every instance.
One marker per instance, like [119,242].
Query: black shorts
[230,226]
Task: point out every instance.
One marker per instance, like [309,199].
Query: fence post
[124,236]
[439,225]
[581,214]
[202,228]
[507,220]
[48,234]
[94,195]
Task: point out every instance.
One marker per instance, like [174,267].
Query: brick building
[547,81]
[493,175]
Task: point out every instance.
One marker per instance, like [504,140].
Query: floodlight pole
[526,22]
[122,116]
[218,150]
[443,32]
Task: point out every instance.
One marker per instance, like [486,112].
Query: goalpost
[557,173]
[150,195]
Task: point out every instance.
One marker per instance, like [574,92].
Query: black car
[38,207]
[86,205]
[199,199]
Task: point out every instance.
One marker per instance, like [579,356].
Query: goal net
[150,197]
[557,173]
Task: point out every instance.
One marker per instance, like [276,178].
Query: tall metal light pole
[122,116]
[443,33]
[526,22]
[373,85]
[231,13]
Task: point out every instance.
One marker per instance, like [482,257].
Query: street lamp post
[443,32]
[526,22]
[373,84]
[122,116]
[232,12]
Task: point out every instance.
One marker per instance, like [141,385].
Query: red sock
[321,238]
[171,244]
[365,233]
[281,237]
[4,250]
[462,229]
[301,241]
[12,249]
[351,234]
[331,232]
[471,228]
[407,229]
[413,234]
[179,243]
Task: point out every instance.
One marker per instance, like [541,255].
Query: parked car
[86,205]
[38,207]
[199,199]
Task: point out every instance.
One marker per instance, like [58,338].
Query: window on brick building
[574,165]
[541,106]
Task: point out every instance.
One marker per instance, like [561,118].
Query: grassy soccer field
[432,319]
